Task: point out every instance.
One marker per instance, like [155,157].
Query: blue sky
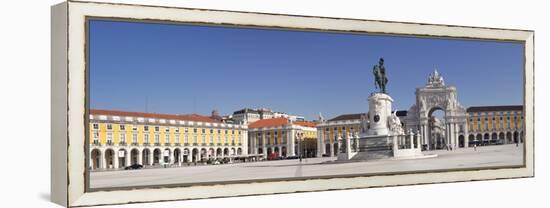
[185,69]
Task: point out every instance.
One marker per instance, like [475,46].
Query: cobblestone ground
[483,157]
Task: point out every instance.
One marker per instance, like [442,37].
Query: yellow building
[334,129]
[280,137]
[495,124]
[119,139]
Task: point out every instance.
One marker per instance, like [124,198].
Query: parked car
[133,167]
[292,157]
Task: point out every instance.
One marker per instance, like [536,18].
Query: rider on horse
[380,79]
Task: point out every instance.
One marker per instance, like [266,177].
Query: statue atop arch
[380,79]
[435,80]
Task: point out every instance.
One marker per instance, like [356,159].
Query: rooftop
[495,108]
[354,116]
[272,122]
[184,117]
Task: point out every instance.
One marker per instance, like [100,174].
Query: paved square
[484,157]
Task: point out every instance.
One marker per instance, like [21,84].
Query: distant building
[277,137]
[438,132]
[249,115]
[119,139]
[331,130]
[291,117]
[495,124]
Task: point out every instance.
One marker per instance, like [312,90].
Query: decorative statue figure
[364,123]
[380,79]
[321,118]
[395,124]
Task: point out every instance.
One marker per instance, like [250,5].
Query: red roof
[279,122]
[306,123]
[269,123]
[191,117]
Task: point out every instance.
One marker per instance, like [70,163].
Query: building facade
[487,125]
[330,131]
[248,115]
[119,139]
[280,137]
[495,124]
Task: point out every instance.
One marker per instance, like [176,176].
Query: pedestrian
[475,145]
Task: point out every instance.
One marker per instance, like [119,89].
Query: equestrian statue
[380,79]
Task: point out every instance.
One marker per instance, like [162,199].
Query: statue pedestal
[379,112]
[382,136]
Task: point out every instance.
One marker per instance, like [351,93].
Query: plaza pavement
[487,156]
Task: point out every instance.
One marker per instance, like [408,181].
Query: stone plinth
[379,112]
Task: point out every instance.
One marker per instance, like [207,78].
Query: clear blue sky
[194,69]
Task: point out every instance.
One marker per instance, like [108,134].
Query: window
[146,128]
[194,139]
[219,131]
[186,139]
[157,138]
[226,131]
[134,138]
[156,128]
[122,137]
[96,126]
[194,130]
[177,130]
[167,129]
[134,128]
[109,126]
[178,138]
[186,130]
[145,138]
[96,136]
[203,131]
[122,127]
[167,139]
[211,131]
[211,138]
[109,138]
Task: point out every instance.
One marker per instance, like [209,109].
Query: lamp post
[299,136]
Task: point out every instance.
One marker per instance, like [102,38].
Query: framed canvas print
[157,103]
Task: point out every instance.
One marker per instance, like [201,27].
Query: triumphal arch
[435,95]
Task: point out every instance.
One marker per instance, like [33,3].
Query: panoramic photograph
[184,104]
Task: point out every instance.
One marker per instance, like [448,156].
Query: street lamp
[300,135]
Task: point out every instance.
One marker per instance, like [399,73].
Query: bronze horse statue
[380,79]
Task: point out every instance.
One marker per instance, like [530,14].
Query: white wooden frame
[69,100]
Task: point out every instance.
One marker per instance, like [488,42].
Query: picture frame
[70,111]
